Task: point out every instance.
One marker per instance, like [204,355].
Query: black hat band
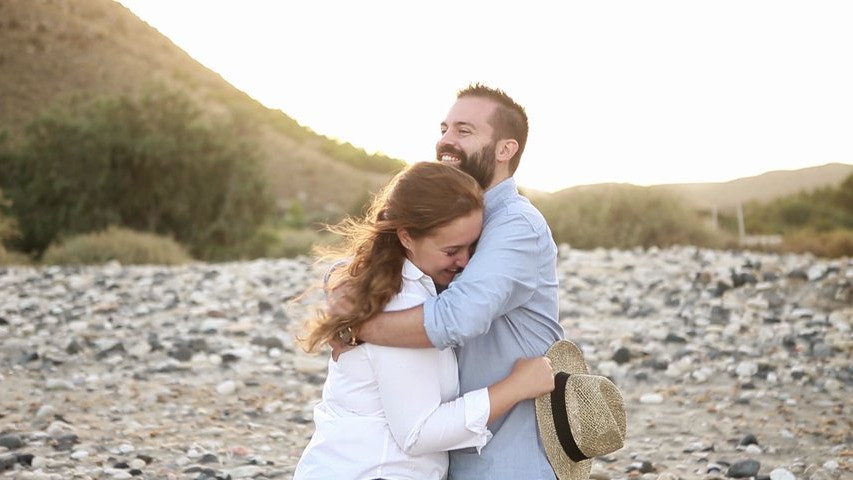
[561,418]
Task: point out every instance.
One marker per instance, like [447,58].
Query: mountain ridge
[763,187]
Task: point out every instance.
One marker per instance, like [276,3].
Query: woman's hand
[529,378]
[532,377]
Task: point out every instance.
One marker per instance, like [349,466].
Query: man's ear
[405,238]
[505,149]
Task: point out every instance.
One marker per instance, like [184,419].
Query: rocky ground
[731,364]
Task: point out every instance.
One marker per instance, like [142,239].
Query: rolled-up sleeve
[501,276]
[409,387]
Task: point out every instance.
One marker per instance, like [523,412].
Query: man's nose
[446,138]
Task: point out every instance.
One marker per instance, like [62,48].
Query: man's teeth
[448,158]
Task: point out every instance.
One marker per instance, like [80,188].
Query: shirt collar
[497,194]
[413,273]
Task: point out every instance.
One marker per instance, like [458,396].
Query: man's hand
[337,301]
[339,347]
[337,304]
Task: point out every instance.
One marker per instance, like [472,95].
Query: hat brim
[566,357]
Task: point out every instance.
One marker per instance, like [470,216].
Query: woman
[389,412]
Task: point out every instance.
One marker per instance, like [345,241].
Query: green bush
[821,210]
[272,241]
[624,216]
[152,163]
[126,246]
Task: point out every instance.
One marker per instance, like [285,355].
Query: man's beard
[480,165]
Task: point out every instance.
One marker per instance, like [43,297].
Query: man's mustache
[449,149]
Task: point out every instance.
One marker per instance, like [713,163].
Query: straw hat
[583,417]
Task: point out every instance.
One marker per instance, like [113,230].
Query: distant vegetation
[821,210]
[126,246]
[343,152]
[624,216]
[8,229]
[819,221]
[151,163]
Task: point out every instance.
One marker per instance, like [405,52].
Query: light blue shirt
[502,307]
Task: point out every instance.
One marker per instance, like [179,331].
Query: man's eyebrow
[459,124]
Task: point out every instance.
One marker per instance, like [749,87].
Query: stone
[622,355]
[642,467]
[782,474]
[12,441]
[228,387]
[744,469]
[79,454]
[7,461]
[651,399]
[247,471]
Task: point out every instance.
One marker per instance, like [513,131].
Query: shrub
[273,241]
[822,210]
[624,216]
[8,230]
[126,246]
[8,257]
[152,163]
[8,225]
[832,244]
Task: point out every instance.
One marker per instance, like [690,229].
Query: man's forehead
[473,110]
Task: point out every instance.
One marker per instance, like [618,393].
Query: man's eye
[451,253]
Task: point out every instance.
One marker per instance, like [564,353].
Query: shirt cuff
[435,335]
[477,409]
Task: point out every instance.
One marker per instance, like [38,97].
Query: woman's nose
[462,259]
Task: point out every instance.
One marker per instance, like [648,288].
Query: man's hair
[508,121]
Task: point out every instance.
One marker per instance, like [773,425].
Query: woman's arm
[530,378]
[409,384]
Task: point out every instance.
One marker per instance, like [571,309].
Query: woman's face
[446,251]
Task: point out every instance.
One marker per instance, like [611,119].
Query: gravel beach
[732,365]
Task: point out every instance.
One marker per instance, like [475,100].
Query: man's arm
[403,328]
[500,277]
[503,274]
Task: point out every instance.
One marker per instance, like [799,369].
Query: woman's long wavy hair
[420,199]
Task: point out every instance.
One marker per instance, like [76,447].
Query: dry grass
[832,244]
[126,246]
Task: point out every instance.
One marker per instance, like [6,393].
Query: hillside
[765,187]
[53,49]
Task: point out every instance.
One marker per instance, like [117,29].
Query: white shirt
[391,412]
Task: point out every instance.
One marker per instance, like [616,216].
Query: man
[503,306]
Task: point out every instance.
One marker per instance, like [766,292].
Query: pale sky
[644,92]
